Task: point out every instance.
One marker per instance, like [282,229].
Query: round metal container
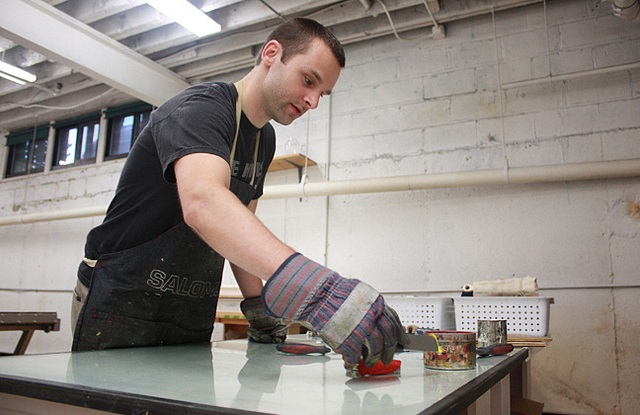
[491,332]
[458,351]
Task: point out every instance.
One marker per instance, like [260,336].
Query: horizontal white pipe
[515,175]
[572,75]
[56,215]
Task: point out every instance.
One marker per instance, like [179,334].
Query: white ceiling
[92,54]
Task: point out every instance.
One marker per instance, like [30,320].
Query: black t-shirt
[200,119]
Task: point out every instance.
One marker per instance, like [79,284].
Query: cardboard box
[521,406]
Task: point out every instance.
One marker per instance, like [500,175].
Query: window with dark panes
[27,151]
[125,123]
[76,141]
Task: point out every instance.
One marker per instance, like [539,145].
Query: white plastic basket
[425,312]
[527,316]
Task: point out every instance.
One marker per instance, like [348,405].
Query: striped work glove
[262,328]
[348,314]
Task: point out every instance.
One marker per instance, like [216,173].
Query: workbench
[28,323]
[240,377]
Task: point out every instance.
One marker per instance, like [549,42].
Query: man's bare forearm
[222,221]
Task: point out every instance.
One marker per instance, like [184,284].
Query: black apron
[162,292]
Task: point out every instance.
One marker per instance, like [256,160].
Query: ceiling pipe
[366,4]
[626,9]
[515,175]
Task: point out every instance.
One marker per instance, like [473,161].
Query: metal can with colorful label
[458,351]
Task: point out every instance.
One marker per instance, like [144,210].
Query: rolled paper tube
[467,290]
[526,286]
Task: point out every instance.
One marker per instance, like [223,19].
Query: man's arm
[350,316]
[221,220]
[249,284]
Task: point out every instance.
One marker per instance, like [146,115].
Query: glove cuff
[289,290]
[251,304]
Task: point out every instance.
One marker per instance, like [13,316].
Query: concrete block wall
[420,106]
[423,106]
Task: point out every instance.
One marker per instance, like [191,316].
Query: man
[186,201]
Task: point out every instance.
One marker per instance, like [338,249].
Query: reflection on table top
[246,376]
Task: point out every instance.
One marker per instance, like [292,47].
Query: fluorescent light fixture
[11,78]
[186,15]
[16,74]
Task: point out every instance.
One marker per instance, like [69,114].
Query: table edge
[107,400]
[467,394]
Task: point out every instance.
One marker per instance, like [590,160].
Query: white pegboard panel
[425,312]
[525,315]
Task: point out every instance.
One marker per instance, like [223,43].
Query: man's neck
[252,99]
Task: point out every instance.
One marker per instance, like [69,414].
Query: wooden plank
[47,321]
[528,341]
[290,161]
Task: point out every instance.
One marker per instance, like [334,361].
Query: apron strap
[235,138]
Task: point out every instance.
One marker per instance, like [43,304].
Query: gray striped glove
[262,328]
[348,314]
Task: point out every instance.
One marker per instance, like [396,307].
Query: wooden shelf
[236,324]
[290,161]
[528,341]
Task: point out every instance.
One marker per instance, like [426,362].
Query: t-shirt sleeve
[196,121]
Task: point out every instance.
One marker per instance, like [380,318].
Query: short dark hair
[296,35]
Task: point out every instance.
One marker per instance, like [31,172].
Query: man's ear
[271,52]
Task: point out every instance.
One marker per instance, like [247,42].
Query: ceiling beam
[86,50]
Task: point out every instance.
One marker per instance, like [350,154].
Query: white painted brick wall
[348,101]
[523,45]
[450,83]
[398,144]
[460,135]
[620,114]
[427,60]
[374,73]
[376,121]
[472,53]
[390,94]
[424,114]
[566,122]
[615,54]
[542,97]
[483,104]
[609,87]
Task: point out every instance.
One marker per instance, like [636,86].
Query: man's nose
[312,100]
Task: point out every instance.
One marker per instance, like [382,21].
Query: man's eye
[308,81]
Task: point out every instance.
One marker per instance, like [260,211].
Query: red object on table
[379,368]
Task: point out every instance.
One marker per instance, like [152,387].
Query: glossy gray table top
[244,376]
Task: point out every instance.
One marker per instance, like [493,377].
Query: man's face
[292,88]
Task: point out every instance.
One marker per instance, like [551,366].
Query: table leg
[496,401]
[501,397]
[521,380]
[23,342]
